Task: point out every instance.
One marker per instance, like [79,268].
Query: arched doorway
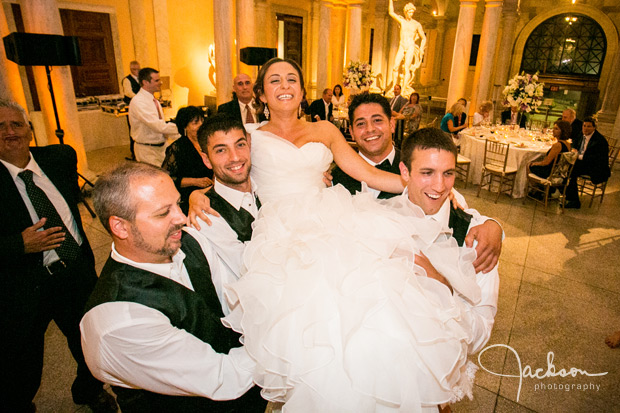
[568,50]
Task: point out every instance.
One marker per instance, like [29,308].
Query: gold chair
[557,180]
[587,187]
[462,167]
[495,168]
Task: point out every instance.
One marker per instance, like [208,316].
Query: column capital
[468,3]
[493,3]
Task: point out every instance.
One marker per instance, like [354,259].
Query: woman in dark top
[183,160]
[561,132]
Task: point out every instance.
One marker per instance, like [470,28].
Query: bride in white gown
[330,304]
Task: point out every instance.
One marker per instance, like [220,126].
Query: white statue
[410,32]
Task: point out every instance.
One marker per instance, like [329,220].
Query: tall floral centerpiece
[525,92]
[358,77]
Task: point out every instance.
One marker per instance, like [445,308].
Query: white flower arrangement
[358,76]
[524,91]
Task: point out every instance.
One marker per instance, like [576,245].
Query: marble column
[608,120]
[162,37]
[615,133]
[10,80]
[437,53]
[313,41]
[379,58]
[354,35]
[246,32]
[222,28]
[486,53]
[262,16]
[138,30]
[337,47]
[323,55]
[42,16]
[462,50]
[502,65]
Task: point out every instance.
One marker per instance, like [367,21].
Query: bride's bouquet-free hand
[524,91]
[358,76]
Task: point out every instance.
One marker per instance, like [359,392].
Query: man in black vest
[131,86]
[152,327]
[427,166]
[47,268]
[225,149]
[371,127]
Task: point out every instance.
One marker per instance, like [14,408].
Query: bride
[331,306]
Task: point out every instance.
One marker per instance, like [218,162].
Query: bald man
[570,116]
[242,104]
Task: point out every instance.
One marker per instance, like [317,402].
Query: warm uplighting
[570,20]
[434,12]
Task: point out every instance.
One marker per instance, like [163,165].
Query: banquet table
[525,146]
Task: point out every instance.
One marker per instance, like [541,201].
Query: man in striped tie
[47,268]
[242,104]
[149,129]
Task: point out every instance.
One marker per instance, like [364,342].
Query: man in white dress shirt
[149,129]
[152,326]
[428,168]
[242,104]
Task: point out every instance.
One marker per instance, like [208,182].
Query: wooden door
[97,75]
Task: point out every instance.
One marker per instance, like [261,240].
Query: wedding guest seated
[412,112]
[463,119]
[561,132]
[428,161]
[592,160]
[484,113]
[570,116]
[514,116]
[152,326]
[338,98]
[183,160]
[450,121]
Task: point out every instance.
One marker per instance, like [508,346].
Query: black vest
[459,222]
[135,88]
[198,312]
[353,186]
[240,221]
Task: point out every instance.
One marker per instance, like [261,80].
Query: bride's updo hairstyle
[259,85]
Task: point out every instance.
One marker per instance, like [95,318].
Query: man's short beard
[164,251]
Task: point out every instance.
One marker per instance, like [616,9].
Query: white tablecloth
[525,147]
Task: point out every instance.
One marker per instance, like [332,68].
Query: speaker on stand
[257,56]
[32,49]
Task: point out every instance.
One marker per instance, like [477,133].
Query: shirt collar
[242,105]
[14,170]
[167,270]
[442,216]
[390,157]
[233,196]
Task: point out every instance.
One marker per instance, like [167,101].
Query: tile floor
[559,297]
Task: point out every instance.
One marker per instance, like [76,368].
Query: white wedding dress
[329,303]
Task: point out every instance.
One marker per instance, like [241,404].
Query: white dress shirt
[223,238]
[244,111]
[390,157]
[42,181]
[127,90]
[584,145]
[149,127]
[134,346]
[480,317]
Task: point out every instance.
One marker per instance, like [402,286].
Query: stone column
[608,120]
[222,28]
[439,44]
[354,35]
[502,65]
[262,16]
[323,55]
[462,50]
[42,16]
[615,133]
[10,80]
[337,44]
[245,32]
[162,37]
[486,53]
[138,30]
[379,58]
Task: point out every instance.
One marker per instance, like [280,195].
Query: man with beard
[152,326]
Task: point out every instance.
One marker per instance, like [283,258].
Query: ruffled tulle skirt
[334,313]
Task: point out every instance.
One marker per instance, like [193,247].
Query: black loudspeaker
[257,56]
[31,49]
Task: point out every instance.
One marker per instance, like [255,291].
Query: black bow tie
[384,166]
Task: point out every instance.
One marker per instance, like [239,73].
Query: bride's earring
[266,111]
[299,112]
